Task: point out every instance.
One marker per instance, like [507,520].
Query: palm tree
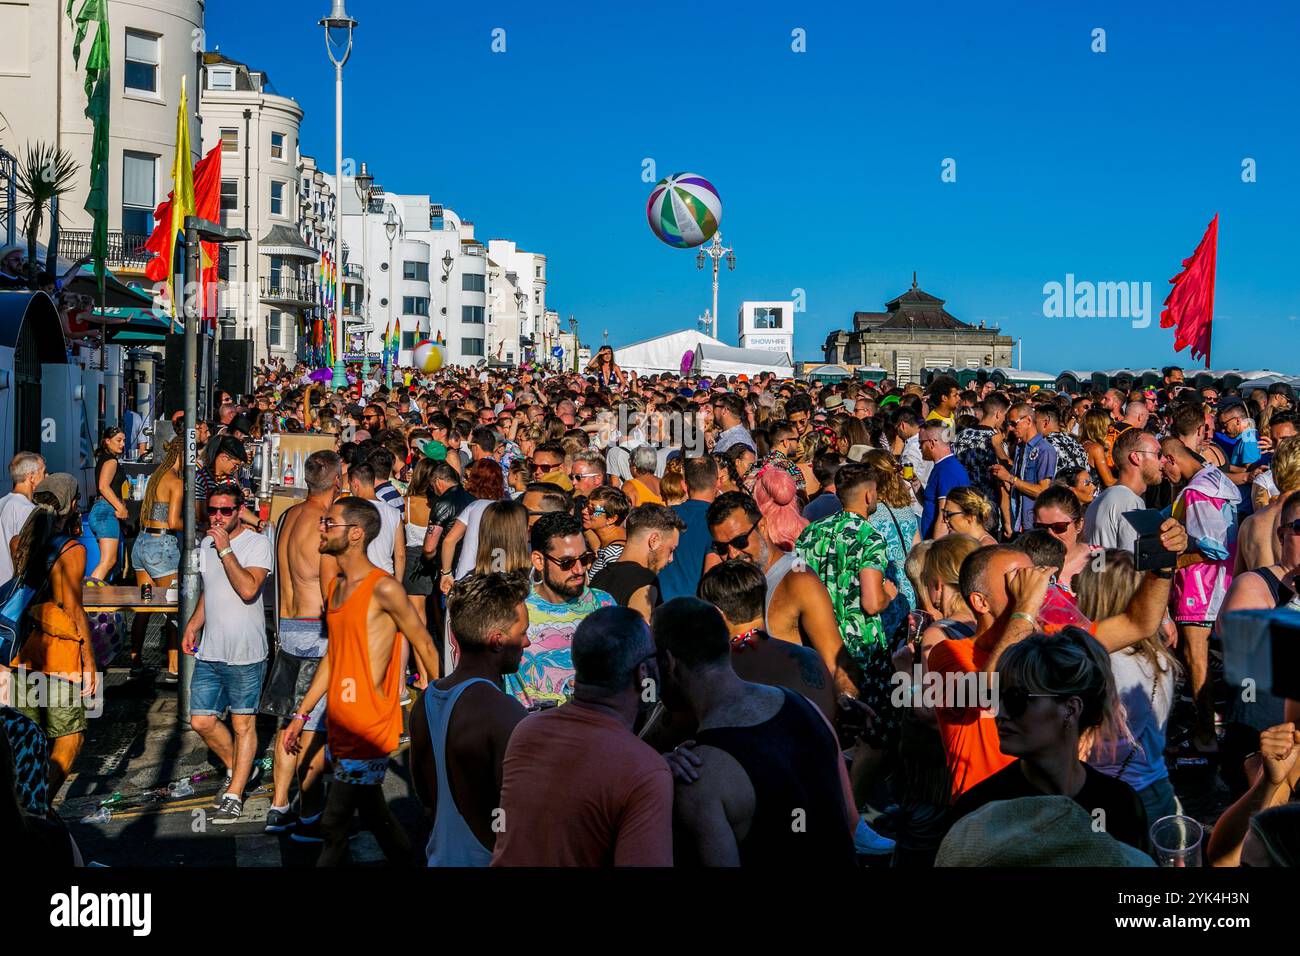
[45,174]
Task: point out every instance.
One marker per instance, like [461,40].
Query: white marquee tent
[719,359]
[662,353]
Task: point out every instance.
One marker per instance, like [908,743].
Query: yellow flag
[182,187]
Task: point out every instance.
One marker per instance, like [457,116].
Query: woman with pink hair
[778,500]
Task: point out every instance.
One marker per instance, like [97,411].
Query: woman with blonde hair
[941,575]
[156,553]
[966,511]
[1096,425]
[1145,675]
[1053,692]
[896,521]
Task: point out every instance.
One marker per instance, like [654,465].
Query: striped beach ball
[684,210]
[427,356]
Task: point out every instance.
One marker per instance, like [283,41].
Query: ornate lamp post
[364,181]
[715,250]
[338,44]
[391,226]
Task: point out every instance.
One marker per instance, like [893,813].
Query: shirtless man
[799,609]
[302,635]
[1258,545]
[737,589]
[767,757]
[461,725]
[361,678]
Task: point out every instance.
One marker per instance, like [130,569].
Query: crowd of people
[614,619]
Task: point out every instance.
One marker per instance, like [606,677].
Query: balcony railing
[288,288]
[125,250]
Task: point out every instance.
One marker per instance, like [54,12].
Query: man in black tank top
[772,788]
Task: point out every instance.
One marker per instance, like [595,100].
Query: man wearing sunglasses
[1005,592]
[1137,458]
[230,656]
[798,608]
[1033,469]
[557,603]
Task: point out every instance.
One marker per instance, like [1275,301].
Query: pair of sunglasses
[566,564]
[1056,527]
[1014,701]
[227,512]
[740,542]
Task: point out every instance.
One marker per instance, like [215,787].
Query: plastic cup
[1177,841]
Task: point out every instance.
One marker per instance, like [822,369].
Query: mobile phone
[1262,647]
[1148,552]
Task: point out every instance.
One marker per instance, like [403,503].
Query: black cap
[232,446]
[242,424]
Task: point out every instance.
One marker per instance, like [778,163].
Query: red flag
[207,196]
[1190,305]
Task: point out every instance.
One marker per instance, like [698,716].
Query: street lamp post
[520,299]
[573,327]
[338,37]
[715,251]
[363,181]
[391,225]
[196,231]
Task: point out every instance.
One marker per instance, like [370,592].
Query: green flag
[97,93]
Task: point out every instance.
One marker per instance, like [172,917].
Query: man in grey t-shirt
[1137,457]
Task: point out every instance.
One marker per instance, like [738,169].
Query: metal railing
[8,198]
[125,250]
[288,288]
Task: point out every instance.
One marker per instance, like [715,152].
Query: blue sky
[1107,165]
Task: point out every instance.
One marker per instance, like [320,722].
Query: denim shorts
[157,555]
[102,521]
[217,687]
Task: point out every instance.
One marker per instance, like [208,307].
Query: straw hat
[1034,831]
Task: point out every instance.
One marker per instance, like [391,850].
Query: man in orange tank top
[361,677]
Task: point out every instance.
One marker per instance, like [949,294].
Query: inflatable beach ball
[427,356]
[684,210]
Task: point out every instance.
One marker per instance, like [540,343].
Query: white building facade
[269,189]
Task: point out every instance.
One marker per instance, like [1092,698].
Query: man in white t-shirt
[388,550]
[230,658]
[1137,457]
[26,471]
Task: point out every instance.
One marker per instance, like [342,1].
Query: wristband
[225,551]
[1023,616]
[1165,574]
[445,574]
[303,717]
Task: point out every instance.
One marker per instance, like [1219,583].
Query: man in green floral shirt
[848,554]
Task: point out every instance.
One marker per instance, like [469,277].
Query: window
[538,272]
[408,341]
[229,198]
[276,271]
[277,146]
[767,318]
[277,198]
[229,140]
[471,282]
[471,314]
[139,193]
[141,61]
[537,296]
[221,78]
[415,305]
[416,271]
[227,262]
[277,330]
[471,346]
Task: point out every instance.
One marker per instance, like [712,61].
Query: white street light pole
[364,181]
[715,250]
[336,25]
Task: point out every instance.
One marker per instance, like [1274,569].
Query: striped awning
[283,241]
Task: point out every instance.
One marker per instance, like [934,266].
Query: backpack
[16,596]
